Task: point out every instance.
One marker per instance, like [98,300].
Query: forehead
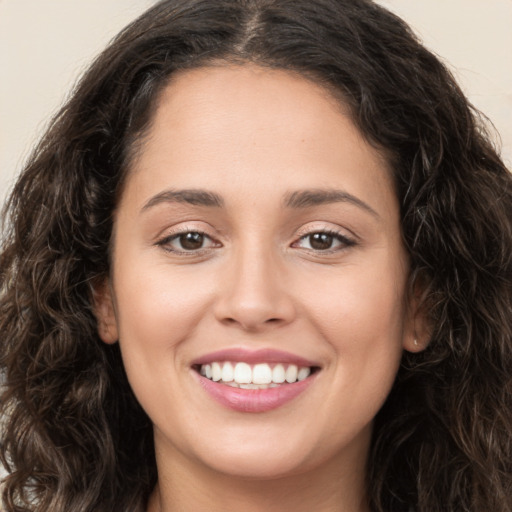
[237,126]
[215,100]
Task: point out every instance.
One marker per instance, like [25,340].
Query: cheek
[363,327]
[358,303]
[158,309]
[360,313]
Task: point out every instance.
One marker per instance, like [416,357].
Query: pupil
[321,241]
[191,241]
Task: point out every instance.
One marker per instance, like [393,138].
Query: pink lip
[253,357]
[254,400]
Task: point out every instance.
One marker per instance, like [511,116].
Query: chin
[261,454]
[257,466]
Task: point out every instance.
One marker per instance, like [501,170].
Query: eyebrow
[196,197]
[298,199]
[317,197]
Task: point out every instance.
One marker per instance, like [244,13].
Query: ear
[105,311]
[417,330]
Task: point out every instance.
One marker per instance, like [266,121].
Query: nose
[253,293]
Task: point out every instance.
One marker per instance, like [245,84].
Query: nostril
[250,323]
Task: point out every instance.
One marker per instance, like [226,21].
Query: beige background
[46,44]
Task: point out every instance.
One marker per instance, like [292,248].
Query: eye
[187,241]
[327,241]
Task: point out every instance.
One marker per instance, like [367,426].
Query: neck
[187,486]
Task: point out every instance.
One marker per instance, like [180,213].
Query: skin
[254,136]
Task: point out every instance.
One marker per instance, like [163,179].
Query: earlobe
[417,337]
[415,344]
[417,331]
[105,312]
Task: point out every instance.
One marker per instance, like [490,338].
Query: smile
[258,376]
[254,381]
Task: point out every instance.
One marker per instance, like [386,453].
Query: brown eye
[187,242]
[321,241]
[191,241]
[324,241]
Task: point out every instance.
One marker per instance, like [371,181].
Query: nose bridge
[253,292]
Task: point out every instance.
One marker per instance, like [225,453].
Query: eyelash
[167,240]
[344,241]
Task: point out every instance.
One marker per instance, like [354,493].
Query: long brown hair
[75,439]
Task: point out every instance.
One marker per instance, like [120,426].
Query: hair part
[75,437]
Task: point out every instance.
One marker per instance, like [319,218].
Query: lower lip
[254,400]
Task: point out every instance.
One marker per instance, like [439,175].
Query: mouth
[254,381]
[243,375]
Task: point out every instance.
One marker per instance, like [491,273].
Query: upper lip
[265,355]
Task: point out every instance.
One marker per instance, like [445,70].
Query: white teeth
[258,376]
[243,373]
[261,374]
[251,386]
[216,372]
[291,373]
[278,374]
[228,374]
[303,373]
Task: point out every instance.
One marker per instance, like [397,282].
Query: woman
[260,261]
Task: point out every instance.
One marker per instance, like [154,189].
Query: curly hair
[73,435]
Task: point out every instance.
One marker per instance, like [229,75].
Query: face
[257,228]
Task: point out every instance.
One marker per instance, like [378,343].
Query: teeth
[290,375]
[243,373]
[259,376]
[303,373]
[278,374]
[262,374]
[249,386]
[228,374]
[216,372]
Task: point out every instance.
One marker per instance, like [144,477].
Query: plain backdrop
[46,44]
